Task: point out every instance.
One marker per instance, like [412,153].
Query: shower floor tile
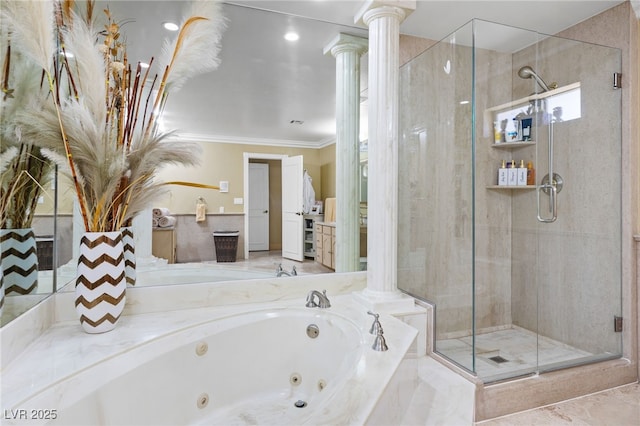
[509,352]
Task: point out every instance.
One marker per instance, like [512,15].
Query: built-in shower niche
[524,279]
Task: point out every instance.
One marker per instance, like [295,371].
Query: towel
[161,211]
[166,222]
[155,221]
[201,211]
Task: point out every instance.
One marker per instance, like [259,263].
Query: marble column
[383,19]
[347,50]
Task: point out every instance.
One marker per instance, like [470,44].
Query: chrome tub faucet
[280,272]
[323,300]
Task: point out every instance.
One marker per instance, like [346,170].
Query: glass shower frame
[516,290]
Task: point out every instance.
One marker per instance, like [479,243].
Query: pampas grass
[88,123]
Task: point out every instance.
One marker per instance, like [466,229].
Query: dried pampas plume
[194,52]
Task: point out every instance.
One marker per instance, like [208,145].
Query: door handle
[550,189]
[266,211]
[299,213]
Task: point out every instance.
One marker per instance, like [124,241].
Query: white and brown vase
[100,281]
[19,260]
[129,246]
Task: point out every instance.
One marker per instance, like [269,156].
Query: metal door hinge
[617,324]
[617,80]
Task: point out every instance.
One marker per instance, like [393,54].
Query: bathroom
[627,214]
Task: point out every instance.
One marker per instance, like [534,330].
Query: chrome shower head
[528,72]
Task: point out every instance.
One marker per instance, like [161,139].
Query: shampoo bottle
[512,173]
[531,174]
[522,174]
[502,174]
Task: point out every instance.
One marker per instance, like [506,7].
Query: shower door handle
[550,189]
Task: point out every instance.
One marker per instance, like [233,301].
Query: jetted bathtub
[270,365]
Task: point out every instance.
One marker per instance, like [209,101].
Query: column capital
[347,43]
[373,9]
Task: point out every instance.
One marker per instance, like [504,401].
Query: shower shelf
[512,145]
[511,187]
[525,100]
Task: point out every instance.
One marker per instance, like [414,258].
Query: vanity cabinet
[326,243]
[309,242]
[163,244]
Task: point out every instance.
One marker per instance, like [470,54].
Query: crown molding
[286,143]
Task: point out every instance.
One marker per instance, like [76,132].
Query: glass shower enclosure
[510,198]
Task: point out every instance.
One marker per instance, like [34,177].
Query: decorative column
[383,19]
[347,50]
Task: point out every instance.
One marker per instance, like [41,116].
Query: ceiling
[270,91]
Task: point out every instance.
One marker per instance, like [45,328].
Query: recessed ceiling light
[170,26]
[291,36]
[144,65]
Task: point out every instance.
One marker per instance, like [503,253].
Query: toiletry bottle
[497,136]
[512,173]
[531,174]
[502,174]
[522,174]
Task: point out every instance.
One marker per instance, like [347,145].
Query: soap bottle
[531,174]
[522,174]
[502,174]
[512,173]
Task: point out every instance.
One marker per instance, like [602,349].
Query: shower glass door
[525,277]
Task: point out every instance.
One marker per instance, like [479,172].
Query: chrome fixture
[280,272]
[550,187]
[376,327]
[313,331]
[379,344]
[528,72]
[323,301]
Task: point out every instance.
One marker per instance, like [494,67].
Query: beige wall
[221,161]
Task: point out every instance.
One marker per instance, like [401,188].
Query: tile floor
[519,351]
[614,407]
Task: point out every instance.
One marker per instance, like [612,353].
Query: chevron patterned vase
[1,295]
[19,260]
[129,254]
[100,281]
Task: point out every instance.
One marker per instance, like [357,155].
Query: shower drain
[498,359]
[300,403]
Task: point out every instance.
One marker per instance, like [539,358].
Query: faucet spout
[280,271]
[323,301]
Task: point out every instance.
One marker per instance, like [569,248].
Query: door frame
[246,157]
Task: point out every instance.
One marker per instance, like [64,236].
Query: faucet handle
[376,327]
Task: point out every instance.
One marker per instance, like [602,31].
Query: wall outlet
[41,199]
[224,186]
[237,201]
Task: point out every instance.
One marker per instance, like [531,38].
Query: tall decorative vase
[19,260]
[1,295]
[100,281]
[129,254]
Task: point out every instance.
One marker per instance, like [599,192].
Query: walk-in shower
[525,277]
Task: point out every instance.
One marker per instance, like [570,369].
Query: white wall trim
[636,7]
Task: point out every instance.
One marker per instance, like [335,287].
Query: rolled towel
[161,211]
[166,221]
[154,221]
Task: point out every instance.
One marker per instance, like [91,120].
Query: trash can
[226,245]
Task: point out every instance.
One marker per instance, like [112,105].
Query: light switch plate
[237,201]
[224,186]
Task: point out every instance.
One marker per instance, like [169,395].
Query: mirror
[236,116]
